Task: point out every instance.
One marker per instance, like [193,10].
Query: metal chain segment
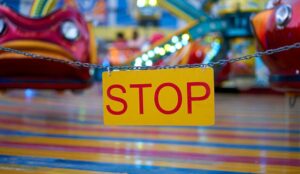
[122,68]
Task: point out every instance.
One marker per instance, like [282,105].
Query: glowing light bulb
[178,46]
[145,57]
[149,63]
[141,3]
[172,49]
[184,42]
[151,54]
[153,2]
[157,50]
[186,37]
[167,47]
[138,62]
[162,52]
[175,39]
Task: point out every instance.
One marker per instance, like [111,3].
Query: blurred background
[125,31]
[51,116]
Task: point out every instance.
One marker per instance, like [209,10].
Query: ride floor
[45,132]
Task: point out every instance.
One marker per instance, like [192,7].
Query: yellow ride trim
[93,44]
[36,47]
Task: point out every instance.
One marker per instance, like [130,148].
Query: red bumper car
[62,35]
[276,27]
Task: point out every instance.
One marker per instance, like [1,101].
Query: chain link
[123,68]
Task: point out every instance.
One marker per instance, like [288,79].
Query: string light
[162,52]
[145,57]
[138,62]
[151,54]
[167,47]
[149,63]
[141,3]
[184,42]
[176,43]
[175,39]
[153,2]
[185,37]
[157,50]
[172,49]
[178,46]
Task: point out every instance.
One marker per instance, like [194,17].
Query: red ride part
[284,66]
[44,36]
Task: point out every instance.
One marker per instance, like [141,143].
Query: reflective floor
[45,132]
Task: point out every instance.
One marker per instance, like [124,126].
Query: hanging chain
[111,68]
